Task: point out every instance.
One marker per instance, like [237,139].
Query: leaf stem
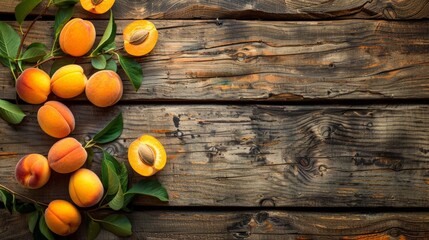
[47,60]
[22,196]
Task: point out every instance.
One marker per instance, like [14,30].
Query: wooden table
[282,119]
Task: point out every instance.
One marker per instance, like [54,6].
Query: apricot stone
[146,155]
[67,155]
[62,217]
[104,88]
[56,119]
[97,6]
[85,188]
[33,86]
[77,37]
[140,37]
[68,81]
[32,171]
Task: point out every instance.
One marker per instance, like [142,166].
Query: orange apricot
[68,81]
[32,171]
[146,155]
[140,37]
[62,217]
[33,86]
[104,88]
[97,6]
[77,37]
[56,119]
[67,155]
[79,185]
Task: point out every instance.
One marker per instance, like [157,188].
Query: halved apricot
[140,37]
[97,6]
[147,155]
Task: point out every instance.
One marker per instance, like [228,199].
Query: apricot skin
[62,217]
[77,37]
[158,150]
[33,86]
[100,8]
[68,81]
[56,119]
[85,188]
[32,171]
[104,88]
[67,155]
[147,45]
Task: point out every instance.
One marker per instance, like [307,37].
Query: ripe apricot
[33,86]
[62,217]
[140,37]
[32,171]
[97,6]
[77,37]
[67,155]
[68,81]
[55,119]
[104,88]
[85,188]
[146,155]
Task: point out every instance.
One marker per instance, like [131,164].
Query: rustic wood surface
[291,156]
[201,60]
[259,9]
[196,225]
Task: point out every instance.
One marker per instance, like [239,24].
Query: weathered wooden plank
[179,224]
[324,156]
[200,60]
[257,9]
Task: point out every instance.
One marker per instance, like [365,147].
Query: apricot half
[62,217]
[140,37]
[146,155]
[85,188]
[67,155]
[97,6]
[32,171]
[77,37]
[33,86]
[68,81]
[56,119]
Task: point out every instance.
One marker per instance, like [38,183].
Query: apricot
[104,88]
[32,171]
[97,6]
[140,37]
[62,217]
[55,119]
[77,37]
[85,188]
[33,86]
[68,81]
[67,155]
[146,155]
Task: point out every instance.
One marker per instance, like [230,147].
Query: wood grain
[256,9]
[180,224]
[290,61]
[292,156]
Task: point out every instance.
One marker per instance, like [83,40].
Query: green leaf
[123,176]
[24,8]
[109,47]
[118,201]
[133,70]
[94,229]
[7,199]
[109,178]
[90,156]
[110,132]
[108,35]
[99,62]
[24,207]
[10,112]
[9,43]
[62,16]
[44,228]
[117,224]
[34,53]
[150,187]
[63,3]
[60,63]
[111,65]
[32,220]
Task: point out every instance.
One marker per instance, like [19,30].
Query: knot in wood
[261,217]
[267,202]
